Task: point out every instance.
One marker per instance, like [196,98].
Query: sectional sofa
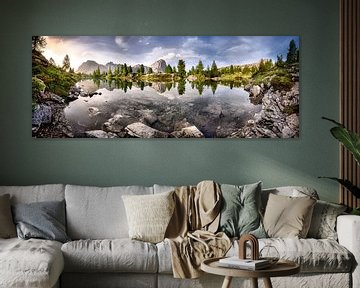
[100,253]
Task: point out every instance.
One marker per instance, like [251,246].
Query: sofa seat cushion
[313,255]
[115,255]
[30,263]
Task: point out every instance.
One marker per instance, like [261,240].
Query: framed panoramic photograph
[165,86]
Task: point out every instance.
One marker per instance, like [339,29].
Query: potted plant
[351,141]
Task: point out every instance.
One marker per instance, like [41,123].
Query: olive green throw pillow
[7,226]
[240,213]
[149,215]
[288,217]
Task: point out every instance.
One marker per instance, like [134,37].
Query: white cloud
[79,52]
[121,42]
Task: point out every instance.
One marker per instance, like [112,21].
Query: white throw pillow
[149,215]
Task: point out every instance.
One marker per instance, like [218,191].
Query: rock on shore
[48,119]
[279,115]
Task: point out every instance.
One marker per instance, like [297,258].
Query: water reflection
[161,87]
[217,110]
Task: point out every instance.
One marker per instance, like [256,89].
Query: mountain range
[89,66]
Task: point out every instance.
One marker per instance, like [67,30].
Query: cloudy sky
[132,50]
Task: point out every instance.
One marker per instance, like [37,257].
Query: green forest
[265,71]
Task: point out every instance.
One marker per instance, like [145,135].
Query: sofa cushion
[117,255]
[323,222]
[98,213]
[164,257]
[149,215]
[7,226]
[43,220]
[30,263]
[287,216]
[313,255]
[240,210]
[34,193]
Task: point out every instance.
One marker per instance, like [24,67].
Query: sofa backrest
[35,193]
[162,188]
[98,212]
[293,191]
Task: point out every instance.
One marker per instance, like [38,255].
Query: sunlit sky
[132,50]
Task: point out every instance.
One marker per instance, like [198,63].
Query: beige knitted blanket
[191,231]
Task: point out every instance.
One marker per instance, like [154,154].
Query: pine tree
[268,64]
[181,86]
[200,67]
[52,61]
[192,70]
[109,73]
[262,65]
[292,53]
[140,70]
[124,70]
[280,62]
[116,71]
[38,42]
[231,71]
[168,69]
[214,72]
[66,63]
[96,73]
[150,71]
[129,69]
[181,68]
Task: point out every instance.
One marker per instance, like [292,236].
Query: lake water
[216,110]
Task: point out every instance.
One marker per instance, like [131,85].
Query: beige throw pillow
[288,217]
[149,215]
[7,226]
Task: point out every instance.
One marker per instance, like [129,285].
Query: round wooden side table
[281,268]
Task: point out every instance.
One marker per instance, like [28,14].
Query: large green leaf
[348,138]
[348,185]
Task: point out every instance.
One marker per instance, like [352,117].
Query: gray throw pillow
[7,227]
[44,220]
[323,222]
[240,213]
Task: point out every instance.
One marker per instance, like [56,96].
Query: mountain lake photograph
[165,86]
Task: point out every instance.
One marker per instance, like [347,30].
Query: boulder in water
[140,130]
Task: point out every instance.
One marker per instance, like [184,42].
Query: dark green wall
[123,162]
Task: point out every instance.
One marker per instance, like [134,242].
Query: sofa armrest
[348,230]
